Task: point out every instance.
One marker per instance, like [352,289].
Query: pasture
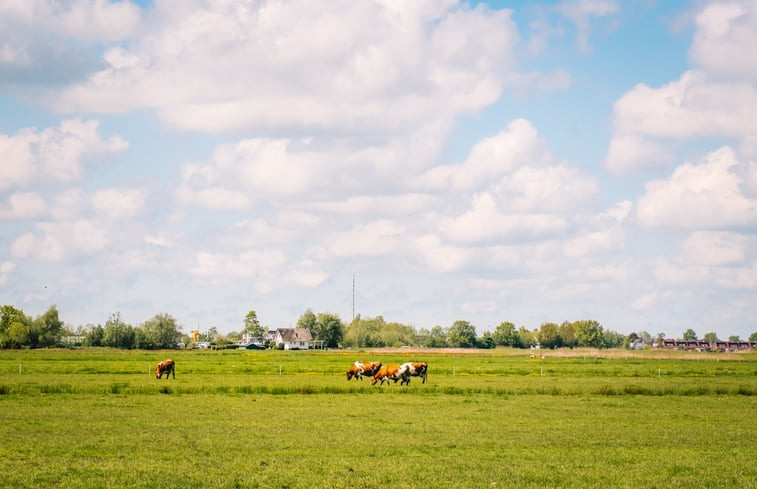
[271,419]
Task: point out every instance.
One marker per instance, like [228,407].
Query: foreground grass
[97,419]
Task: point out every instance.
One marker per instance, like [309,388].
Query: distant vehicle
[252,346]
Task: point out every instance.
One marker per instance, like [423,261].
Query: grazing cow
[165,367]
[359,369]
[416,370]
[391,372]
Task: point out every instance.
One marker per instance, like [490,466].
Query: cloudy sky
[486,161]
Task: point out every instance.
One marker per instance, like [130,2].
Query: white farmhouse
[293,338]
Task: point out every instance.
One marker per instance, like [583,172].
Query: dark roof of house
[294,334]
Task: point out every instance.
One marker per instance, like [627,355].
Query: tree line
[18,330]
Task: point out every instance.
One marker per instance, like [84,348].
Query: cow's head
[158,370]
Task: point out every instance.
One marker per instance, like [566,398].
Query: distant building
[293,338]
[704,345]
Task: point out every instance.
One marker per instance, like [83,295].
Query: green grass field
[291,420]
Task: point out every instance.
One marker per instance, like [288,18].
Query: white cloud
[94,20]
[713,248]
[61,240]
[485,222]
[356,67]
[517,145]
[383,237]
[619,211]
[725,33]
[6,268]
[54,154]
[261,265]
[23,205]
[581,12]
[263,270]
[696,196]
[713,100]
[437,256]
[118,203]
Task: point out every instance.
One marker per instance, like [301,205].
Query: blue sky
[488,161]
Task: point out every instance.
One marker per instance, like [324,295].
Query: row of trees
[17,330]
[161,332]
[375,332]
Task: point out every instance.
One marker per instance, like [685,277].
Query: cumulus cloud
[356,67]
[725,32]
[518,189]
[50,42]
[61,240]
[23,205]
[264,269]
[713,248]
[117,203]
[696,196]
[56,154]
[712,100]
[515,146]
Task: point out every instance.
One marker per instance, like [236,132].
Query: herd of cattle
[385,373]
[358,370]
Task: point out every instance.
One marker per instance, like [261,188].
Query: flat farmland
[269,419]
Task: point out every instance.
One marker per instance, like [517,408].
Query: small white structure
[293,338]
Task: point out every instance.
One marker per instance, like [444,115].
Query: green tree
[329,329]
[46,329]
[526,338]
[253,327]
[118,334]
[93,335]
[689,334]
[421,337]
[734,338]
[753,337]
[159,332]
[308,321]
[568,334]
[711,337]
[589,333]
[437,338]
[397,334]
[486,341]
[461,334]
[19,334]
[612,339]
[9,316]
[365,332]
[505,334]
[549,336]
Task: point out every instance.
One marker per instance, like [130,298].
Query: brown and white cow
[391,372]
[165,367]
[419,369]
[359,369]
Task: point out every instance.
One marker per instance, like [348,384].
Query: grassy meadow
[271,419]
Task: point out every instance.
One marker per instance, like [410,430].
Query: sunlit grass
[292,420]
